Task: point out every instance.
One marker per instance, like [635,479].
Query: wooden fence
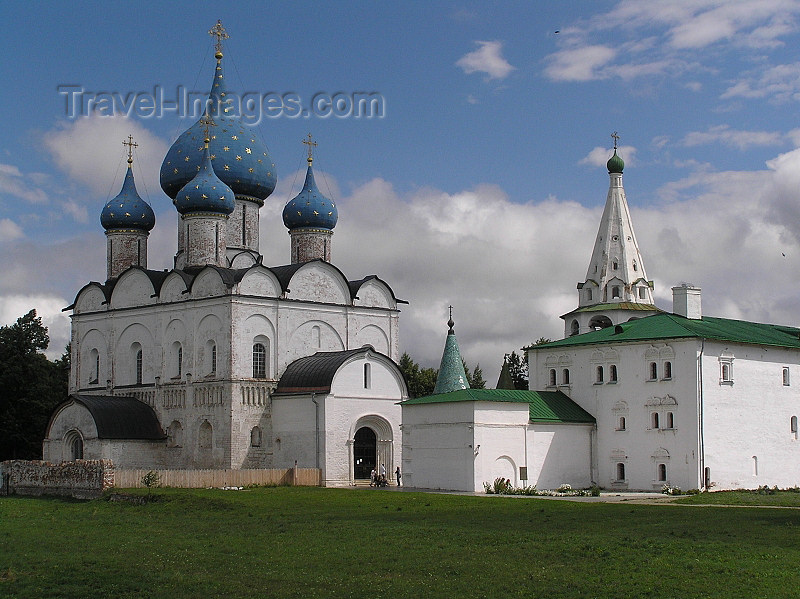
[199,479]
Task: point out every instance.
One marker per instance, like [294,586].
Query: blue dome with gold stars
[205,192]
[239,158]
[310,208]
[127,210]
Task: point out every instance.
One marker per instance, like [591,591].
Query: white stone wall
[241,231]
[204,240]
[310,244]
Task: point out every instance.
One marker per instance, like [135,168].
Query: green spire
[451,370]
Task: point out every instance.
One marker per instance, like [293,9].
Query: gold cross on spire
[219,32]
[131,144]
[616,139]
[311,145]
[207,122]
[450,322]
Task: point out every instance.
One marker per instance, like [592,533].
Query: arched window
[667,370]
[598,375]
[94,360]
[654,420]
[139,367]
[589,295]
[794,426]
[653,371]
[74,445]
[575,327]
[612,373]
[785,376]
[755,465]
[670,420]
[367,376]
[259,361]
[615,293]
[206,437]
[552,377]
[642,293]
[621,423]
[255,437]
[620,471]
[176,366]
[662,472]
[565,376]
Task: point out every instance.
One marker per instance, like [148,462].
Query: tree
[474,378]
[30,387]
[518,369]
[421,381]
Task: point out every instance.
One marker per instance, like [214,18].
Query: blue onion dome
[310,209]
[205,193]
[240,159]
[615,164]
[128,210]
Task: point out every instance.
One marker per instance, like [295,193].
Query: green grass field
[313,542]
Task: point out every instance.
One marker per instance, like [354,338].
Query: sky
[477,179]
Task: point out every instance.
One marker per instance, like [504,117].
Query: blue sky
[482,183]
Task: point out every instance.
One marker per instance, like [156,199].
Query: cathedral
[224,362]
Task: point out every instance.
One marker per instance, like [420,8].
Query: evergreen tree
[518,369]
[421,381]
[30,387]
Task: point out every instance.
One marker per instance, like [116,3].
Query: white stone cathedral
[224,362]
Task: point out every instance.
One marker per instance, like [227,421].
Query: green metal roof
[617,306]
[672,326]
[544,406]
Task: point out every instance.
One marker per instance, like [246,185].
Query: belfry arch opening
[599,322]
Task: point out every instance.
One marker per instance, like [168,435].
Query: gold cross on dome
[616,139]
[311,144]
[219,32]
[131,144]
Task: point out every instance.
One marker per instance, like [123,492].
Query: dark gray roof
[121,417]
[314,374]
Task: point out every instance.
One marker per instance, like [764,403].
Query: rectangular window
[642,293]
[367,376]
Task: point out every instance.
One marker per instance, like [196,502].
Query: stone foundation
[81,479]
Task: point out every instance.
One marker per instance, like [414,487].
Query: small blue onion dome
[615,164]
[128,210]
[205,192]
[310,209]
[240,159]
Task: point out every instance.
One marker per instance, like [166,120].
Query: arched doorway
[74,446]
[365,451]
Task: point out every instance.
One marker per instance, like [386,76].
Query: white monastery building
[224,362]
[633,398]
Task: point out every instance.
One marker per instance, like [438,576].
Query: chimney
[686,301]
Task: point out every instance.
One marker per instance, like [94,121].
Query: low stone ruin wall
[81,479]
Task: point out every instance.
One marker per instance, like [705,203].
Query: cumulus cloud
[488,58]
[90,151]
[733,138]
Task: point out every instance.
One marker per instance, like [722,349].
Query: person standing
[398,475]
[372,478]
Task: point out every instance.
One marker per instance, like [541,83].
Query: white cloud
[13,182]
[780,82]
[9,231]
[599,156]
[487,59]
[90,151]
[733,138]
[579,64]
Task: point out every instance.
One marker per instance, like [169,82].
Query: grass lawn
[778,498]
[313,542]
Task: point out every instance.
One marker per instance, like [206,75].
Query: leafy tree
[30,387]
[518,369]
[421,381]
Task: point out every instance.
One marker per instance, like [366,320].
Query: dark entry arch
[365,451]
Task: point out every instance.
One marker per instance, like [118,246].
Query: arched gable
[319,281]
[173,289]
[93,348]
[134,288]
[244,259]
[91,298]
[375,336]
[132,337]
[369,374]
[374,293]
[259,281]
[256,328]
[208,283]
